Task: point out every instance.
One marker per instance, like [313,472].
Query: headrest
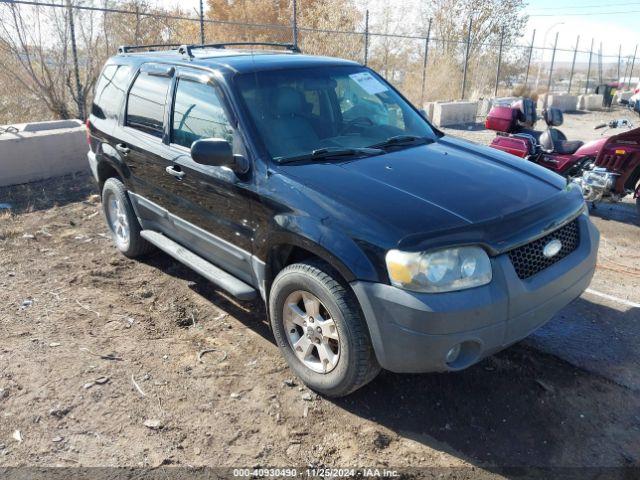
[288,101]
[553,117]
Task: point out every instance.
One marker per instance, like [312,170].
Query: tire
[353,363]
[127,237]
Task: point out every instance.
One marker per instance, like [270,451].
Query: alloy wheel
[311,332]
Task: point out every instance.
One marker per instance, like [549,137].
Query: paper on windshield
[368,83]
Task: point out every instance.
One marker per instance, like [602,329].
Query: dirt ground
[106,361]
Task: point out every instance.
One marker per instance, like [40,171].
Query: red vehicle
[606,169]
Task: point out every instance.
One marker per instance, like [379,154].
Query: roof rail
[187,49]
[129,48]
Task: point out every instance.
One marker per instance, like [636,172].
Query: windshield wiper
[402,140]
[333,152]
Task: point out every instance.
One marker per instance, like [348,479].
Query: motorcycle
[615,172]
[605,169]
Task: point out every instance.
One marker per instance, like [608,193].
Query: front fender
[333,246]
[591,148]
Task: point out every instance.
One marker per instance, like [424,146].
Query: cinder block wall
[42,150]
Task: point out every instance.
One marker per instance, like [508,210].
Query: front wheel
[319,328]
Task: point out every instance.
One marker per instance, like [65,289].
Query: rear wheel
[122,221]
[318,326]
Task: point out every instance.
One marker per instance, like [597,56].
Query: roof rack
[129,48]
[187,49]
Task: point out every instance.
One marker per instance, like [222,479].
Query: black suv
[375,239]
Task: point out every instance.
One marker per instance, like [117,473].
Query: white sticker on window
[369,83]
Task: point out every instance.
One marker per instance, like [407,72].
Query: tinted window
[197,114]
[110,91]
[147,98]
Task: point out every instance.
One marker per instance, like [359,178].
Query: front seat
[290,131]
[553,140]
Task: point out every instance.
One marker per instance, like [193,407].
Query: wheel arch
[107,170]
[297,249]
[342,254]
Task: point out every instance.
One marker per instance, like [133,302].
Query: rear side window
[110,91]
[147,102]
[198,113]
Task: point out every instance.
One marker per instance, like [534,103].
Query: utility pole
[526,76]
[553,59]
[619,59]
[76,68]
[586,87]
[466,59]
[366,38]
[201,23]
[424,63]
[495,92]
[624,75]
[544,46]
[600,65]
[295,24]
[633,62]
[573,64]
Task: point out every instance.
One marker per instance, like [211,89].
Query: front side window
[299,111]
[198,113]
[147,102]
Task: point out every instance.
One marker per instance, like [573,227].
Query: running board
[224,280]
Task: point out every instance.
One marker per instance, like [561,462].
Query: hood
[441,186]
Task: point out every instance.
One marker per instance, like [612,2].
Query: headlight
[439,271]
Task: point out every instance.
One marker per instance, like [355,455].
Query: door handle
[122,148]
[175,171]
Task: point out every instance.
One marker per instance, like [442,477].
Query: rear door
[213,204]
[142,144]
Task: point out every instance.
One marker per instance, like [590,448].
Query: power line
[581,7]
[626,12]
[166,15]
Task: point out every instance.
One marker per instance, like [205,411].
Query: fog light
[453,354]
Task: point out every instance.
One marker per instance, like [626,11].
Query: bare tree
[34,58]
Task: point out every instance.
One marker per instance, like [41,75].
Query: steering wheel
[358,122]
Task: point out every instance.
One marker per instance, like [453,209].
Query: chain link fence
[423,67]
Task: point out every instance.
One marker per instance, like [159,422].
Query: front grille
[528,259]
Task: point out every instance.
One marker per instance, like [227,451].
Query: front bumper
[412,332]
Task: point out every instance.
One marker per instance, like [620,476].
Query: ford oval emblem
[552,248]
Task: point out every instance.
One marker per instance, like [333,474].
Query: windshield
[299,111]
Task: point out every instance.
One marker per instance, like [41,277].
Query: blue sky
[589,19]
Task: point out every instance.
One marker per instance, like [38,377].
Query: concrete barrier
[454,113]
[428,109]
[566,103]
[42,150]
[592,101]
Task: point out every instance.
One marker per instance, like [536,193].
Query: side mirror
[213,151]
